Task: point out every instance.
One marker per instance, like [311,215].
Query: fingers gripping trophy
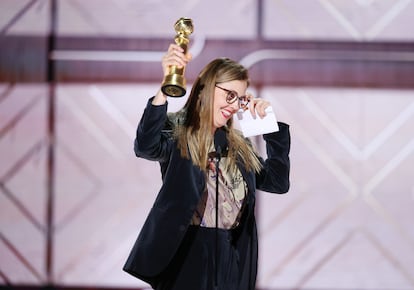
[174,84]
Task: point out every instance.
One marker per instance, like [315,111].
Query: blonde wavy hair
[193,123]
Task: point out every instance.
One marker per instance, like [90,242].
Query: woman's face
[222,110]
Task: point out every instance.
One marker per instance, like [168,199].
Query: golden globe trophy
[174,84]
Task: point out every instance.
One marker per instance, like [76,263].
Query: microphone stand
[217,161]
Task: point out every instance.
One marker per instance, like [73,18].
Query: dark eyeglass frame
[232,96]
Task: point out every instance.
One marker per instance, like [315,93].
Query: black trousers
[194,266]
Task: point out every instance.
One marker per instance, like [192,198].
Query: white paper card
[251,127]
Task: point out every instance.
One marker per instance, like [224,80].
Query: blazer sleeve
[274,176]
[152,142]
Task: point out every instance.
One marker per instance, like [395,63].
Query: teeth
[226,113]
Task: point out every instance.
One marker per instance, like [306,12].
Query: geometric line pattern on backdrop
[19,115]
[348,20]
[88,123]
[116,116]
[341,19]
[87,173]
[16,17]
[381,22]
[20,257]
[12,196]
[327,220]
[338,209]
[373,17]
[386,19]
[83,11]
[342,243]
[92,128]
[6,92]
[376,142]
[355,191]
[14,169]
[366,190]
[382,137]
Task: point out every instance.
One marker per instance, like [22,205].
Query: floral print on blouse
[232,192]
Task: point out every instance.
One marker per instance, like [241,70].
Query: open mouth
[226,114]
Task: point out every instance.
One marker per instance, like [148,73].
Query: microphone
[220,143]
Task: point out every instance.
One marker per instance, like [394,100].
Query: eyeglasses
[232,96]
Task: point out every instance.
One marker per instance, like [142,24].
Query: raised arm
[151,141]
[274,177]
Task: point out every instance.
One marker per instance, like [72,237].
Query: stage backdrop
[347,219]
[73,196]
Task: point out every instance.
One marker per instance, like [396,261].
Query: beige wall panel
[347,219]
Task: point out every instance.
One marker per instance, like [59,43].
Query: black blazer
[183,185]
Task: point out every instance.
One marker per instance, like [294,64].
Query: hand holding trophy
[174,84]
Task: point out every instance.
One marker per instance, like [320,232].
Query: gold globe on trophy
[174,84]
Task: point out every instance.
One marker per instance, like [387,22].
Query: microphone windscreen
[220,140]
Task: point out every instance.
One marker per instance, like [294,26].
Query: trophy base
[173,91]
[174,86]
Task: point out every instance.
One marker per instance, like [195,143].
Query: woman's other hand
[258,106]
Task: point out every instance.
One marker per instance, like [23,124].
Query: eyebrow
[229,91]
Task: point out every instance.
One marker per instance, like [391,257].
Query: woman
[180,245]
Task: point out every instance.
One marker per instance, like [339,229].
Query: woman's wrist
[159,99]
